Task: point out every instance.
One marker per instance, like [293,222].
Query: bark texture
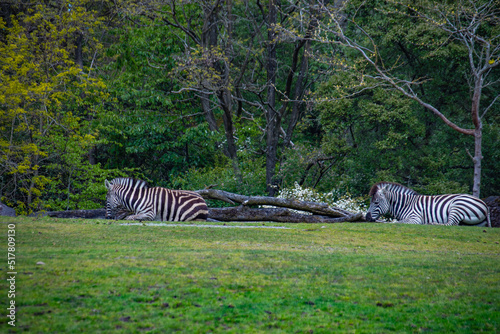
[244,213]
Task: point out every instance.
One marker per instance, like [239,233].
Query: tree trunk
[225,102]
[272,116]
[478,135]
[304,44]
[79,50]
[478,157]
[299,90]
[209,115]
[208,40]
[92,154]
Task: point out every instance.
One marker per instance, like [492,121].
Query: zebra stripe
[409,207]
[133,200]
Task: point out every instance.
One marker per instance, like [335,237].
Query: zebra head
[379,204]
[117,206]
[385,196]
[112,200]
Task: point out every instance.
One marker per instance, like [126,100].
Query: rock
[494,204]
[6,211]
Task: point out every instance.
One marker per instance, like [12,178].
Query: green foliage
[375,133]
[222,177]
[47,100]
[491,162]
[131,105]
[382,135]
[81,188]
[161,133]
[311,167]
[100,276]
[160,149]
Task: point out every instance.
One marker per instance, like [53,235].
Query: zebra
[409,207]
[132,199]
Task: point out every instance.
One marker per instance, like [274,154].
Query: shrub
[332,198]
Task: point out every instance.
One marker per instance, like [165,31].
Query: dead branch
[313,207]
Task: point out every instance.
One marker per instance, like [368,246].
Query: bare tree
[284,106]
[470,23]
[235,62]
[207,57]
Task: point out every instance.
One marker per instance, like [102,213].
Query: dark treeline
[253,96]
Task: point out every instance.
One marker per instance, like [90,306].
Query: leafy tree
[243,73]
[47,101]
[161,133]
[438,55]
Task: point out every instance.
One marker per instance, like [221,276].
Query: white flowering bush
[332,198]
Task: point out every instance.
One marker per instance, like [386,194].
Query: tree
[204,66]
[471,27]
[240,69]
[161,133]
[46,99]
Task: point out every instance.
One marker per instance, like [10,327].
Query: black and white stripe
[133,200]
[408,207]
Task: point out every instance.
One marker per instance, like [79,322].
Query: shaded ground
[494,204]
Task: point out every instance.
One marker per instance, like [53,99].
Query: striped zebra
[408,207]
[133,200]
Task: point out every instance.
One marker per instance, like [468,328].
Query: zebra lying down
[408,207]
[133,200]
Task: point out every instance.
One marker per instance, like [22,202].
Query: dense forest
[252,96]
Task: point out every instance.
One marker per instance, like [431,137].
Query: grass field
[99,276]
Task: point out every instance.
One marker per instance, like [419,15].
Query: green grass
[100,276]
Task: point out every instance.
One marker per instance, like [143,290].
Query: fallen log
[313,207]
[85,214]
[283,215]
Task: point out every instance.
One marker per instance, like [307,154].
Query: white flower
[332,198]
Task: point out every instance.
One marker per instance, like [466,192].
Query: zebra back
[392,187]
[178,205]
[127,182]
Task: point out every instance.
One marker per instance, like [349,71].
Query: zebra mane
[129,182]
[392,186]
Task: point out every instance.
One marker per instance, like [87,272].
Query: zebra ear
[107,184]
